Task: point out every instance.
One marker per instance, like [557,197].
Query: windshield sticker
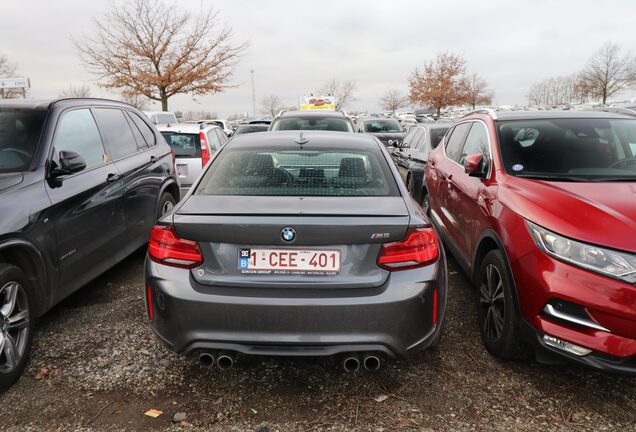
[517,167]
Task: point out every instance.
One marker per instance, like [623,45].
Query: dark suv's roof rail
[491,112]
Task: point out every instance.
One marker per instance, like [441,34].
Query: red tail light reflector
[435,306]
[165,247]
[418,248]
[205,149]
[149,302]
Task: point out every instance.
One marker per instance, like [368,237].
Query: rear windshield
[313,123]
[284,172]
[379,126]
[245,129]
[19,135]
[184,145]
[569,149]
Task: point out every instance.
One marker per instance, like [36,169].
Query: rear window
[184,145]
[19,134]
[382,126]
[284,172]
[245,129]
[313,123]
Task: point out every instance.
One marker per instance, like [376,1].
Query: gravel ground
[97,366]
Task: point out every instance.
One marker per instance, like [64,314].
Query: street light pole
[253,95]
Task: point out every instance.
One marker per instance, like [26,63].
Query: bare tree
[137,100]
[440,84]
[558,91]
[477,92]
[272,105]
[341,91]
[8,70]
[608,72]
[152,48]
[76,90]
[393,100]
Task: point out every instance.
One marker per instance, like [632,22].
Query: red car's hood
[600,213]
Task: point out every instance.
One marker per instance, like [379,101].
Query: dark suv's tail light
[165,247]
[205,149]
[417,249]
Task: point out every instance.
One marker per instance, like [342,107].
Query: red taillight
[418,249]
[149,302]
[205,149]
[165,247]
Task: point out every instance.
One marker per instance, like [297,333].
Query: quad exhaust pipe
[371,362]
[353,362]
[206,360]
[224,361]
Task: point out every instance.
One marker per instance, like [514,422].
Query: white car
[193,145]
[223,124]
[161,117]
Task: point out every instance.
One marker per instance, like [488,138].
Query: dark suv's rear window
[327,123]
[302,172]
[184,145]
[20,131]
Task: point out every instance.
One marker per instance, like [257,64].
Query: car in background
[539,209]
[250,128]
[193,146]
[223,124]
[161,117]
[297,244]
[411,157]
[387,130]
[312,120]
[82,183]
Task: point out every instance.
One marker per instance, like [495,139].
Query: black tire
[166,203]
[16,324]
[498,321]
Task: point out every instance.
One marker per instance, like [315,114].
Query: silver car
[193,145]
[297,244]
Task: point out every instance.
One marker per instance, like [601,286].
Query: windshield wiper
[552,177]
[614,179]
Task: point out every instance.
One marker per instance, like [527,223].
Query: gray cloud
[295,46]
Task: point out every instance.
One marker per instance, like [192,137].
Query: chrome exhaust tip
[225,361]
[372,363]
[206,360]
[351,364]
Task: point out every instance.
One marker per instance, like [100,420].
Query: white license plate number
[288,261]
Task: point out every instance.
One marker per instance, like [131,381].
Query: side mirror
[70,163]
[475,166]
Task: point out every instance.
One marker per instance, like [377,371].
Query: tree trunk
[164,99]
[439,111]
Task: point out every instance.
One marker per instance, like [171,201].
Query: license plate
[289,261]
[182,170]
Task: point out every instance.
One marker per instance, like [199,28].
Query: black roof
[280,139]
[47,103]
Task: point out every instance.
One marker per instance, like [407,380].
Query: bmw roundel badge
[288,234]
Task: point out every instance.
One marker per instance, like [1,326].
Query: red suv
[539,208]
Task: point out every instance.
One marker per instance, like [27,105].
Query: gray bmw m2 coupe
[297,244]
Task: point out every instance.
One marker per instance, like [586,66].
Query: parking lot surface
[97,366]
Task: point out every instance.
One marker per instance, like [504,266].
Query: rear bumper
[394,319]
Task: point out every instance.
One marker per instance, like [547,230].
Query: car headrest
[352,167]
[261,164]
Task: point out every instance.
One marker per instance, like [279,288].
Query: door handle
[153,159]
[112,178]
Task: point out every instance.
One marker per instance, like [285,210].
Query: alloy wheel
[167,206]
[492,302]
[14,325]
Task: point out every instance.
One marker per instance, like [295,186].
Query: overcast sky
[295,46]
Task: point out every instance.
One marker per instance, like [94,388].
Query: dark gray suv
[82,182]
[301,244]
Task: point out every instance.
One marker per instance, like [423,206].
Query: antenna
[301,139]
[253,95]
